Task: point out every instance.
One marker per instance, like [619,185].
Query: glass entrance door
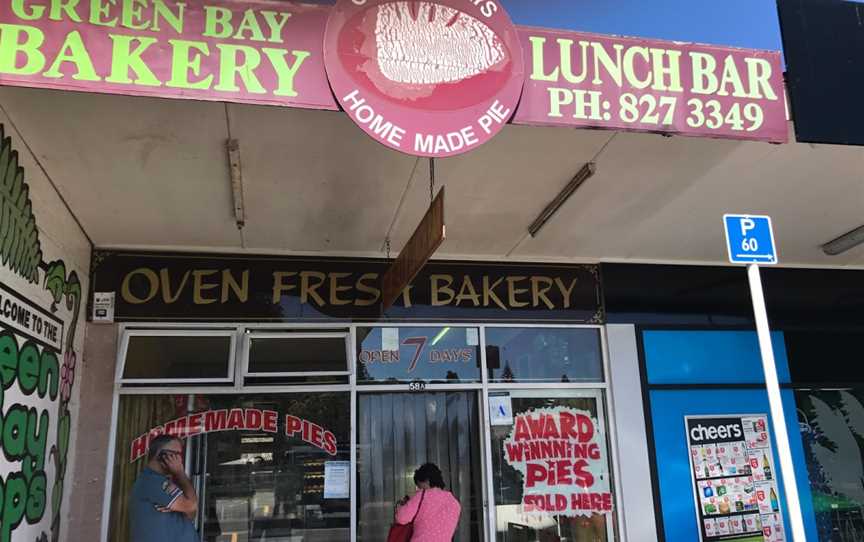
[398,432]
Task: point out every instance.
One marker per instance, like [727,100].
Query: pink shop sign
[264,52]
[430,78]
[587,80]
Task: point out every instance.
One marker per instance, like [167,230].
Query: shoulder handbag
[403,533]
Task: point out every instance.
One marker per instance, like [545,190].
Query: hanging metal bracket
[236,169]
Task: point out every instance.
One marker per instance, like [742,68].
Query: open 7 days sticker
[429,78]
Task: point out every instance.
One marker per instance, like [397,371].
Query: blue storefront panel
[698,373]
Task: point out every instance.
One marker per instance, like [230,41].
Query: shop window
[191,356]
[516,354]
[399,432]
[274,467]
[287,354]
[551,466]
[393,355]
[831,423]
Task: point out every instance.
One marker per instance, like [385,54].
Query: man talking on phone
[163,501]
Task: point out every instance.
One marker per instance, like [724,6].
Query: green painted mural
[39,301]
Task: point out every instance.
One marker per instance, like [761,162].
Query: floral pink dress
[437,519]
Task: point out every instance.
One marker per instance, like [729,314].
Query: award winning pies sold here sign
[429,78]
[561,454]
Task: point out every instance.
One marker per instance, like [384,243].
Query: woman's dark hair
[429,473]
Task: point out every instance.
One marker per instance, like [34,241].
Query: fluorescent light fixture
[845,242]
[440,335]
[581,176]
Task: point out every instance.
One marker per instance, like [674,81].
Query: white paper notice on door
[390,339]
[500,410]
[337,479]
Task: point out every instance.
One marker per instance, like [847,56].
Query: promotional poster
[735,478]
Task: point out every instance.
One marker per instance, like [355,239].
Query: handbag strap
[422,496]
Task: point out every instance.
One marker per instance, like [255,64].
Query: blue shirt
[150,490]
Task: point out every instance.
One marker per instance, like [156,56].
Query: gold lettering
[310,289]
[406,297]
[489,292]
[279,286]
[436,289]
[468,292]
[513,291]
[198,286]
[152,279]
[538,292]
[371,289]
[335,289]
[230,283]
[166,286]
[565,291]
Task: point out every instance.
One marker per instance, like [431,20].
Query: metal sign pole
[772,385]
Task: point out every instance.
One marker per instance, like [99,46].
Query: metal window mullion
[242,351]
[618,516]
[548,386]
[121,355]
[227,390]
[109,466]
[352,382]
[488,474]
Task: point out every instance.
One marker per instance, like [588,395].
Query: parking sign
[750,239]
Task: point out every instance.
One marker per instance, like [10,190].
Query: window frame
[129,333]
[252,334]
[404,385]
[549,384]
[605,418]
[237,384]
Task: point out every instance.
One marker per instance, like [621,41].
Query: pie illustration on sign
[425,44]
[430,78]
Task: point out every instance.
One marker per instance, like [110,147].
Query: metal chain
[387,246]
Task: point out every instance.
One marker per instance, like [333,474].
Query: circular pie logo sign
[429,78]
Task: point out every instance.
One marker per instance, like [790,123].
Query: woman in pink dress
[436,517]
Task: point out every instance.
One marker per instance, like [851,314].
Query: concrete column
[94,429]
[637,516]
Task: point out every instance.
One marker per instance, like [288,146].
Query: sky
[751,24]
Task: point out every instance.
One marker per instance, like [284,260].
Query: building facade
[199,203]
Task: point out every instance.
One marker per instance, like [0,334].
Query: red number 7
[419,343]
